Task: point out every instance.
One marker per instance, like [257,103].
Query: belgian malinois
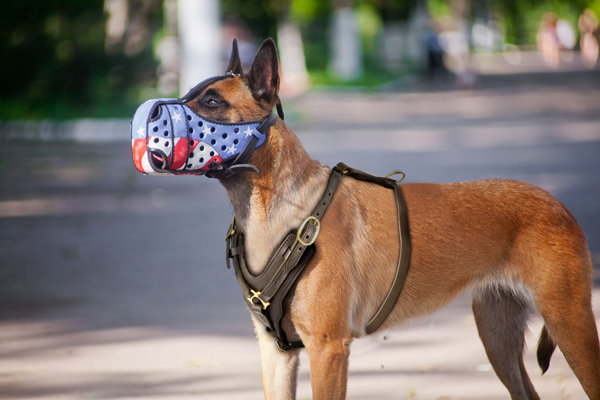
[511,244]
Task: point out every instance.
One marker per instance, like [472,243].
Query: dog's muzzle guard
[168,137]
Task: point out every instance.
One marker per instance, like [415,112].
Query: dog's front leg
[328,356]
[279,369]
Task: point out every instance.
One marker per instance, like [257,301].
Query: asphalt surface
[113,284]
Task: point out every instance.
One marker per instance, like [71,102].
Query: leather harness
[266,293]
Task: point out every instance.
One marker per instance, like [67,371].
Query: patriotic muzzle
[168,137]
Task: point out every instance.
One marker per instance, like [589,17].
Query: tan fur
[514,245]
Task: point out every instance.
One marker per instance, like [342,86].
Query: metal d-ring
[300,232]
[396,173]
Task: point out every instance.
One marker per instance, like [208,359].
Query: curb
[81,130]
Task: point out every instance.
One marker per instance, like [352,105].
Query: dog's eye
[211,102]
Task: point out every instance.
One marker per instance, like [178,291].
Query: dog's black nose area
[158,159]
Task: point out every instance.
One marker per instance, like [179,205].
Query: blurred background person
[588,40]
[547,40]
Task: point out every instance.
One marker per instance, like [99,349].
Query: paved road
[113,284]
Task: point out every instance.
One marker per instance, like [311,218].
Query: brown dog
[514,246]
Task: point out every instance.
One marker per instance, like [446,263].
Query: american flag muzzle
[168,137]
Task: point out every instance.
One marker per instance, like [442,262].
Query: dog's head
[213,129]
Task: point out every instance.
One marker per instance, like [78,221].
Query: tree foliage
[55,63]
[521,18]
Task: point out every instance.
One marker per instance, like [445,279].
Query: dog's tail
[546,347]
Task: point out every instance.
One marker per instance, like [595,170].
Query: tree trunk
[346,55]
[294,79]
[199,41]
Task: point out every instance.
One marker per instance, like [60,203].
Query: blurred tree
[167,52]
[291,49]
[131,24]
[69,58]
[521,18]
[346,46]
[394,10]
[199,41]
[281,19]
[313,19]
[56,63]
[260,16]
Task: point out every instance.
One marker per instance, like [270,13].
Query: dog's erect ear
[235,65]
[264,73]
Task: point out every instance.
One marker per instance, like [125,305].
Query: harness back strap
[404,256]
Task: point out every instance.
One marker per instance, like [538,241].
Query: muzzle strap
[220,171]
[279,108]
[267,123]
[196,90]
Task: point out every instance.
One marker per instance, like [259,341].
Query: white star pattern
[141,131]
[231,150]
[176,117]
[248,131]
[206,130]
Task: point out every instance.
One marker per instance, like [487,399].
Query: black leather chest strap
[266,293]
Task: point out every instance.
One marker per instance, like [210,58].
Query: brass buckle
[396,173]
[231,230]
[255,295]
[301,231]
[280,346]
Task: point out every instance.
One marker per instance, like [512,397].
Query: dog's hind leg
[576,335]
[501,318]
[279,369]
[559,276]
[567,312]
